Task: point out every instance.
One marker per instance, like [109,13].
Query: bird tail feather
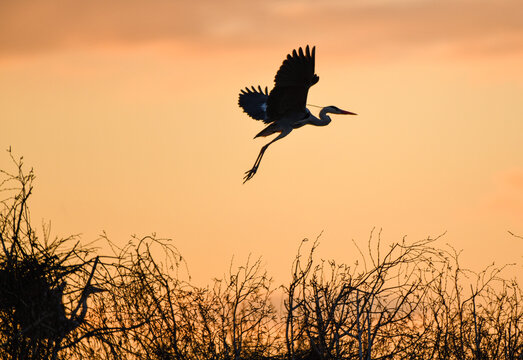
[269,130]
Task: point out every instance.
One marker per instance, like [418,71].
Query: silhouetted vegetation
[60,299]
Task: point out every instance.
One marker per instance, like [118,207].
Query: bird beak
[347,113]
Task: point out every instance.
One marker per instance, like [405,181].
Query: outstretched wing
[292,82]
[254,102]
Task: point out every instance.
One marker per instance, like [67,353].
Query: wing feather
[292,82]
[254,102]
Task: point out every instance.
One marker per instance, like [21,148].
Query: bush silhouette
[60,299]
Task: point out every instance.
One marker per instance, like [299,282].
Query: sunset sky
[127,110]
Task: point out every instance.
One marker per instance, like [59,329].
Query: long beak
[347,113]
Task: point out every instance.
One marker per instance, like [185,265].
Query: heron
[50,320]
[284,108]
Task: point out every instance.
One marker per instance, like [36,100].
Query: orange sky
[128,113]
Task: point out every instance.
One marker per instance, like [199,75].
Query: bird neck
[80,318]
[324,118]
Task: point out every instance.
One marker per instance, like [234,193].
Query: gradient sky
[127,110]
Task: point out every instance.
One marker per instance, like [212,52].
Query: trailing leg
[249,174]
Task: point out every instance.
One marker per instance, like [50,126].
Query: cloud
[462,26]
[40,25]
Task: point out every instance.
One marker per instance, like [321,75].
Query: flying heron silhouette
[284,108]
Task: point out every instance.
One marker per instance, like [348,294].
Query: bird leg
[249,174]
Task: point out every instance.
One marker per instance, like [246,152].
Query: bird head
[335,110]
[89,289]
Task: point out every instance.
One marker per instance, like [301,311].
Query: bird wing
[254,102]
[292,82]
